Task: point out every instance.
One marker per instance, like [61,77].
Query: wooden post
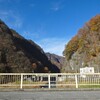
[49,85]
[21,83]
[76,81]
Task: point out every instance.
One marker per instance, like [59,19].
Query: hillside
[56,60]
[20,55]
[84,49]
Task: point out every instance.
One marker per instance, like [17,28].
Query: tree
[3,56]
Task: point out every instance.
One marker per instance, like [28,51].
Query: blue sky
[49,23]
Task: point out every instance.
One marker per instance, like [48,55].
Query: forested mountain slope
[18,54]
[84,49]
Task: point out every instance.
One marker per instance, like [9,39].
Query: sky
[49,23]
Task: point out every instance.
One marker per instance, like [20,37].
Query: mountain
[18,54]
[84,49]
[56,60]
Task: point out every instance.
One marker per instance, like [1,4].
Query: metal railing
[45,80]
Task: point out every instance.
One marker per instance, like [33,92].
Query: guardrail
[52,80]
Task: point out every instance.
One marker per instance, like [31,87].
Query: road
[50,95]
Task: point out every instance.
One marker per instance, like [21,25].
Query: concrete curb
[45,90]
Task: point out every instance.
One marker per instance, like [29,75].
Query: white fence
[45,80]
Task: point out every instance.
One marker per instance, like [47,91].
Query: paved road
[50,95]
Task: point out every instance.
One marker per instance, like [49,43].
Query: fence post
[21,83]
[76,81]
[49,81]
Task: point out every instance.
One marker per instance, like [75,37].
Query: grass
[89,86]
